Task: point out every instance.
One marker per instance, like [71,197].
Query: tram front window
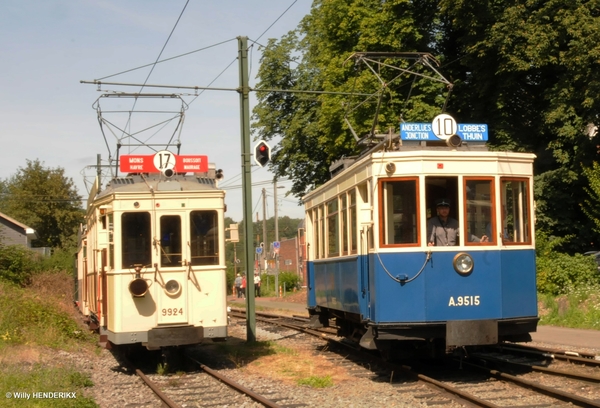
[204,238]
[136,239]
[170,240]
[516,225]
[479,194]
[399,212]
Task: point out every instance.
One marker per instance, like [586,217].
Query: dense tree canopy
[45,200]
[530,70]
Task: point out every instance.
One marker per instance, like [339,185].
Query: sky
[49,46]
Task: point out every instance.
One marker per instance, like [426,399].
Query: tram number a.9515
[464,301]
[172,311]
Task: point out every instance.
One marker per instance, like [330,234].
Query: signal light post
[262,153]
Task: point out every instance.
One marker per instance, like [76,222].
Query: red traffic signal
[262,153]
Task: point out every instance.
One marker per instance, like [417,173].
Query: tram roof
[470,155]
[137,183]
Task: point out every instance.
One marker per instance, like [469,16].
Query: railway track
[513,381]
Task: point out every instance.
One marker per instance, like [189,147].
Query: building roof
[27,230]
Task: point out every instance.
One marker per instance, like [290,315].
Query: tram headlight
[173,287]
[463,263]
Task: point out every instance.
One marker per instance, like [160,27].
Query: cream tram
[150,262]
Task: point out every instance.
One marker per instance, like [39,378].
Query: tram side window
[344,224]
[136,239]
[111,241]
[399,213]
[204,238]
[479,196]
[170,240]
[516,216]
[353,222]
[333,228]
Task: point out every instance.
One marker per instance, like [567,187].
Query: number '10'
[445,127]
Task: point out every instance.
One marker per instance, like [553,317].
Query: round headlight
[463,263]
[172,287]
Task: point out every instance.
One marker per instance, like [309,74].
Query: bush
[559,273]
[17,264]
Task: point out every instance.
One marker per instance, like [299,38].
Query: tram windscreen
[204,238]
[136,239]
[399,212]
[170,240]
[479,209]
[516,225]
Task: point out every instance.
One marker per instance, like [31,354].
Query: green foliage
[315,381]
[538,89]
[61,260]
[26,317]
[45,379]
[590,204]
[579,308]
[559,273]
[45,200]
[290,280]
[17,264]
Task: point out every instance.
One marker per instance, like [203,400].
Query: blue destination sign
[424,132]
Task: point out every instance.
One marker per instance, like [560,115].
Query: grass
[579,308]
[281,363]
[37,379]
[35,322]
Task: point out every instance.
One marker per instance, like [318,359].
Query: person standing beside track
[238,285]
[256,284]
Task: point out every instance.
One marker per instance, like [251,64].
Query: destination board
[425,132]
[161,161]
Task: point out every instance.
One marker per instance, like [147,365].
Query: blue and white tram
[151,264]
[370,266]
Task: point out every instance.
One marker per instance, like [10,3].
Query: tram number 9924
[464,301]
[172,311]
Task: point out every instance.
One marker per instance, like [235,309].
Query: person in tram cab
[442,229]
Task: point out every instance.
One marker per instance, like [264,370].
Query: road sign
[259,250]
[276,246]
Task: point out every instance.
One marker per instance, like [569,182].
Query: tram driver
[442,229]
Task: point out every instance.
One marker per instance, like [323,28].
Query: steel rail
[558,394]
[257,397]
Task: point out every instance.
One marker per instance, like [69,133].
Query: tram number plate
[464,301]
[172,311]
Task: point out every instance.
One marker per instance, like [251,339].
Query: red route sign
[146,164]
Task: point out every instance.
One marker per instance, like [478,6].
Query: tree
[314,58]
[527,69]
[44,199]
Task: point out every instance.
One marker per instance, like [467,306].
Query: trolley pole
[244,91]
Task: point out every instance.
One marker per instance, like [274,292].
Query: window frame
[493,238]
[529,214]
[382,215]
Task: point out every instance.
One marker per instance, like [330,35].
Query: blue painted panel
[439,293]
[336,284]
[519,290]
[502,285]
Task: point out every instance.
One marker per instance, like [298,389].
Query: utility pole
[265,241]
[244,91]
[276,239]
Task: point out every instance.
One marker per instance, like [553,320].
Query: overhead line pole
[244,91]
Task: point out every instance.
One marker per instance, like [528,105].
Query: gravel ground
[116,388]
